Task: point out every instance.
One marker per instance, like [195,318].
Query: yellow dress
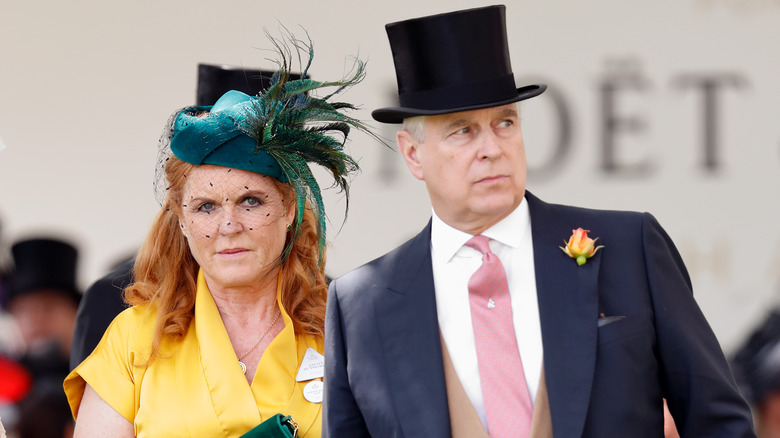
[196,388]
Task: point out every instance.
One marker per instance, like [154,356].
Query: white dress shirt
[453,265]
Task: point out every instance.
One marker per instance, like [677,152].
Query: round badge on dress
[313,391]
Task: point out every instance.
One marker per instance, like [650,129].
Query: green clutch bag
[278,426]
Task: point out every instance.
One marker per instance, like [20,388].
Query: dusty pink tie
[507,402]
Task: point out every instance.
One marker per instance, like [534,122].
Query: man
[756,366]
[536,341]
[43,299]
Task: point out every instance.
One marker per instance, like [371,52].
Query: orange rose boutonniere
[580,246]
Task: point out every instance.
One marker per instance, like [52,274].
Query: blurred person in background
[225,332]
[756,366]
[43,298]
[15,383]
[101,303]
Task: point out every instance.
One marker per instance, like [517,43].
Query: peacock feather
[296,127]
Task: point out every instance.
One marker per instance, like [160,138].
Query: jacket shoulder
[584,213]
[602,221]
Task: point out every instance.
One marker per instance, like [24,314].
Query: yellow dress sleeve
[115,364]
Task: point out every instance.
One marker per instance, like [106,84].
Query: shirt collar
[510,231]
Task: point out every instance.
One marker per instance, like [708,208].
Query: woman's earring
[289,227]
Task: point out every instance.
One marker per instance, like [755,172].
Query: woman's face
[235,222]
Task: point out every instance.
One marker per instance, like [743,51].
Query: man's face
[473,164]
[44,316]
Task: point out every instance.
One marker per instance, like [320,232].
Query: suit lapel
[409,337]
[568,311]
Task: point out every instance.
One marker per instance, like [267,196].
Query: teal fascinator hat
[216,135]
[277,132]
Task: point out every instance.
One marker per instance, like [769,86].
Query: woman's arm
[96,418]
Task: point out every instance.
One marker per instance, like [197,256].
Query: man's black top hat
[452,62]
[44,264]
[216,80]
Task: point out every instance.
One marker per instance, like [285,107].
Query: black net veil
[220,201]
[164,154]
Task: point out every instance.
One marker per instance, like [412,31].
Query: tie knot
[480,243]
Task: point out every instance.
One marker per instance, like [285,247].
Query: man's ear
[410,148]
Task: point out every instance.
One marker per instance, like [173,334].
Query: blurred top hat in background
[216,80]
[44,264]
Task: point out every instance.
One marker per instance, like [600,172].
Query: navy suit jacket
[605,377]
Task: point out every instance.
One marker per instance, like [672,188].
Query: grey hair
[416,127]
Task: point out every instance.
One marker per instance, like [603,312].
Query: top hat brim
[398,114]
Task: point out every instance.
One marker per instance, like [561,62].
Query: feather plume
[294,126]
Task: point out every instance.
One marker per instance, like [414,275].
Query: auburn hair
[166,272]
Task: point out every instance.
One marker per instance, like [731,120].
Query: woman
[229,301]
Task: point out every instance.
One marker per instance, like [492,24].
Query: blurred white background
[86,87]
